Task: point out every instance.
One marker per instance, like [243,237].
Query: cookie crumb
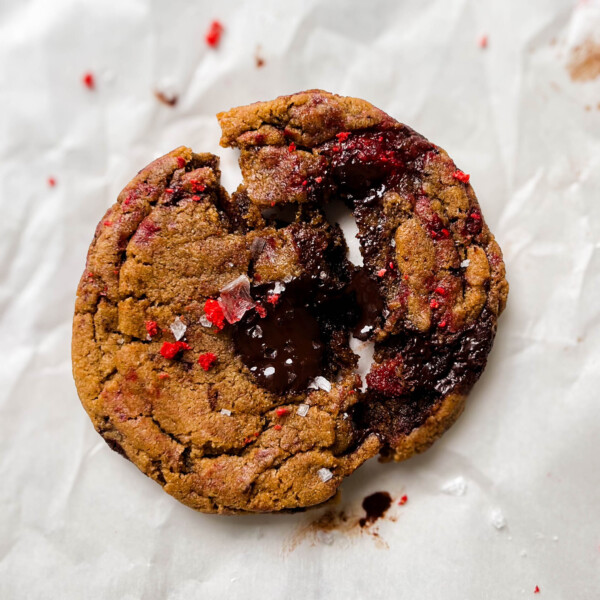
[166,100]
[324,474]
[178,328]
[214,33]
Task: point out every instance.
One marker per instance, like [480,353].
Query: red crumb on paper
[214,313]
[403,500]
[458,174]
[207,360]
[51,181]
[89,81]
[482,41]
[214,33]
[537,589]
[171,349]
[151,328]
[166,100]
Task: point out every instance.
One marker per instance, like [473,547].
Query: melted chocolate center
[284,350]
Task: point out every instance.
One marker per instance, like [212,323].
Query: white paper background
[78,521]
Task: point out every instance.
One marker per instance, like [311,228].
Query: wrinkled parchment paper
[509,499]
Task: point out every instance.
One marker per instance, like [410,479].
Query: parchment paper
[509,499]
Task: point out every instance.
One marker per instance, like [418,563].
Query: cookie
[211,337]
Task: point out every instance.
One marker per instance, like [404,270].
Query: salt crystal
[393,242]
[178,327]
[257,331]
[324,474]
[226,412]
[498,520]
[303,409]
[324,537]
[319,383]
[278,288]
[269,371]
[235,299]
[465,263]
[455,487]
[205,322]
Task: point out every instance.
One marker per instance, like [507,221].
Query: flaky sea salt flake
[455,487]
[324,474]
[465,263]
[226,412]
[320,383]
[178,327]
[235,299]
[497,518]
[303,409]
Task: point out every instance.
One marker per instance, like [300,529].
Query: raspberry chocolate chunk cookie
[433,281]
[211,338]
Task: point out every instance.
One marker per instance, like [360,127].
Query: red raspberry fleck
[384,377]
[403,500]
[163,376]
[434,304]
[116,271]
[391,265]
[196,198]
[445,233]
[261,310]
[248,440]
[197,187]
[277,427]
[381,272]
[440,290]
[475,216]
[107,223]
[537,589]
[291,147]
[305,182]
[90,275]
[88,81]
[405,277]
[151,328]
[443,323]
[256,434]
[318,179]
[380,138]
[482,42]
[207,360]
[461,176]
[336,148]
[169,190]
[281,411]
[213,35]
[171,349]
[180,162]
[342,136]
[51,181]
[214,313]
[273,299]
[273,203]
